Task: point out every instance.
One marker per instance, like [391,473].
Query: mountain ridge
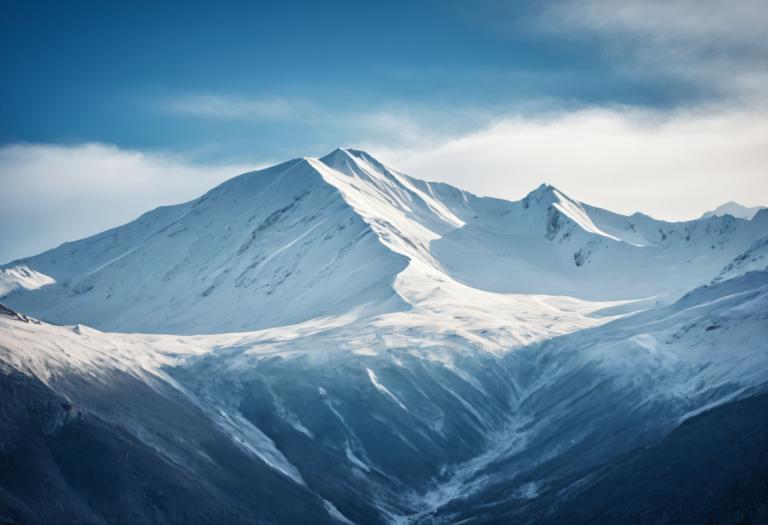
[348,222]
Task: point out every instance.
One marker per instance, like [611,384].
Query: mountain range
[329,340]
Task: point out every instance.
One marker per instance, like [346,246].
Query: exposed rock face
[4,310]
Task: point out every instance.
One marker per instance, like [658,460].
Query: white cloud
[388,122]
[719,46]
[670,165]
[51,194]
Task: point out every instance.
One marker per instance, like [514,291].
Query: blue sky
[160,99]
[119,72]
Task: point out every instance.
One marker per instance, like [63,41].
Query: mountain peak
[338,152]
[544,195]
[548,199]
[734,209]
[340,159]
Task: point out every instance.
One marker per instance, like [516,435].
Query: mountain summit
[734,209]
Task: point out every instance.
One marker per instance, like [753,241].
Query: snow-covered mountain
[350,236]
[332,341]
[734,209]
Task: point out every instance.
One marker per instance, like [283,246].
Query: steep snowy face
[271,247]
[752,260]
[405,217]
[562,212]
[345,235]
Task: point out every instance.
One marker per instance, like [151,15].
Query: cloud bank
[672,166]
[671,163]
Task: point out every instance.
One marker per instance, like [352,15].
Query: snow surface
[431,345]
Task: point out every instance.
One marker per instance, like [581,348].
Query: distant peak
[734,209]
[545,194]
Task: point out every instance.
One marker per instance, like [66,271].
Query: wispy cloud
[390,122]
[238,107]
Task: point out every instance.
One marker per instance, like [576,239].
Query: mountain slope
[548,243]
[62,463]
[593,396]
[332,341]
[280,244]
[398,418]
[698,473]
